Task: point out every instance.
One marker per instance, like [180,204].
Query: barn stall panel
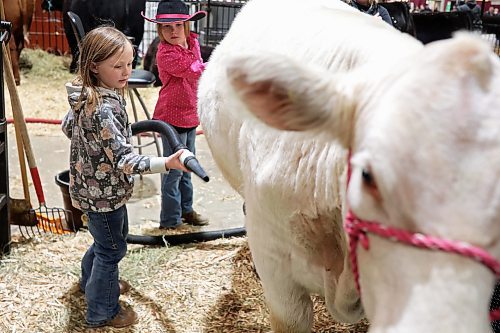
[47,31]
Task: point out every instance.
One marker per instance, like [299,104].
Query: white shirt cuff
[158,165]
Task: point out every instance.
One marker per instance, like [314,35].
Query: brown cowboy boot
[193,218]
[126,317]
[124,286]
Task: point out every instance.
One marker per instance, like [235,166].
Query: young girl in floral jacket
[102,162]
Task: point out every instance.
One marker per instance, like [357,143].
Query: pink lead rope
[357,230]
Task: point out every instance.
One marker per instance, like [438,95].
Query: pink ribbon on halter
[358,229]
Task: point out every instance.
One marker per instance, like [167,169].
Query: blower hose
[187,158]
[173,240]
[192,164]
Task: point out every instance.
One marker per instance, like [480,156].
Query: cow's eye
[370,184]
[368,179]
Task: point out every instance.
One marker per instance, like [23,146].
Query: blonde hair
[98,45]
[187,30]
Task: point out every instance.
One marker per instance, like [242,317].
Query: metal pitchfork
[54,220]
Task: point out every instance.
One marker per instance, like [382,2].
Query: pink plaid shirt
[179,70]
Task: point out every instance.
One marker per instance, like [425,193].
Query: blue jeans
[100,264]
[176,186]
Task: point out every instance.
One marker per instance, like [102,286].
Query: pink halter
[357,230]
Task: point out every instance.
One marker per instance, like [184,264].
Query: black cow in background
[400,16]
[435,26]
[125,15]
[491,25]
[427,27]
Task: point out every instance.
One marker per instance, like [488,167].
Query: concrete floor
[216,199]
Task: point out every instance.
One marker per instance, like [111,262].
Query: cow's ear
[471,58]
[292,97]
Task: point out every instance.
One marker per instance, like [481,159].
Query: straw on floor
[206,287]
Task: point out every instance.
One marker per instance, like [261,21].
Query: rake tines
[54,220]
[47,220]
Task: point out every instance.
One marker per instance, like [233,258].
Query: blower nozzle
[187,157]
[191,163]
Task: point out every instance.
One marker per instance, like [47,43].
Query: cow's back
[312,33]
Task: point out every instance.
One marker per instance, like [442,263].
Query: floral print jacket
[102,159]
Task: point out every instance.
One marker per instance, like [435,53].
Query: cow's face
[52,5]
[425,139]
[428,161]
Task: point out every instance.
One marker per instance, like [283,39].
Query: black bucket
[62,180]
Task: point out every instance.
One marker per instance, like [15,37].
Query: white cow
[423,126]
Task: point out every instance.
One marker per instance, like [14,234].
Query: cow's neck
[407,290]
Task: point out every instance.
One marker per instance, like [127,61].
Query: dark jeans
[100,264]
[176,186]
